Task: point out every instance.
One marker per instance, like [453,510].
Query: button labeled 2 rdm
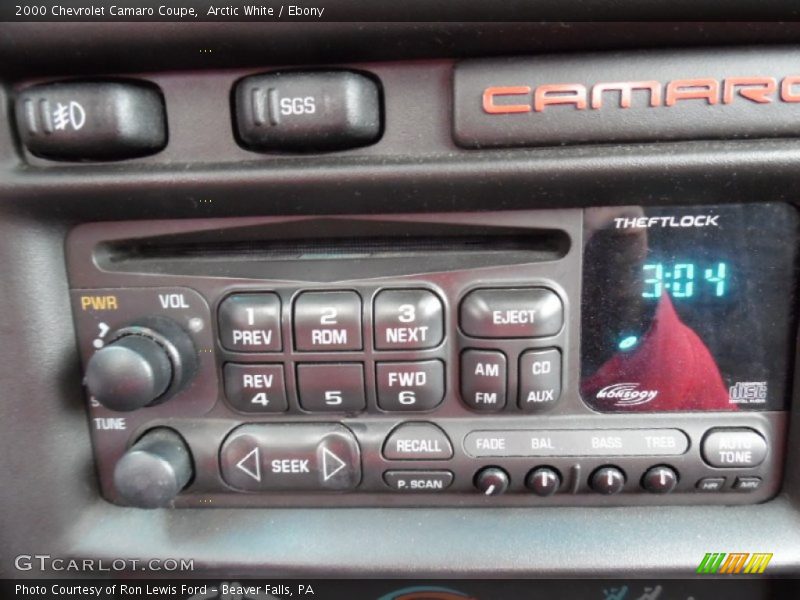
[325,321]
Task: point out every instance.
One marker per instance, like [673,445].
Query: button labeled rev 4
[308,456]
[255,388]
[408,320]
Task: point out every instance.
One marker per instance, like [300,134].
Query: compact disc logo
[626,394]
[426,593]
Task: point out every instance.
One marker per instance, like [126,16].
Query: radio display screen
[688,308]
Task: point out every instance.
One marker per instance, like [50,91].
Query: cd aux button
[539,379]
[417,441]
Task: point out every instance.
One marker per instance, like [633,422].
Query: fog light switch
[91,120]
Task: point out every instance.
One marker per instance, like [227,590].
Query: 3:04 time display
[685,280]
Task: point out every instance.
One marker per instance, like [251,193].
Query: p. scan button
[417,441]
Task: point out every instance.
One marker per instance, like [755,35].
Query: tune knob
[143,364]
[154,470]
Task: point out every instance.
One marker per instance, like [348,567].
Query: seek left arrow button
[251,464]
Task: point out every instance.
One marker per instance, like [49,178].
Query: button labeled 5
[331,387]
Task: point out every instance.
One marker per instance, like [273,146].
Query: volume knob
[143,365]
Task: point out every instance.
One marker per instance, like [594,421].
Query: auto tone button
[732,448]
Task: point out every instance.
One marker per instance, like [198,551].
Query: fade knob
[143,364]
[492,481]
[154,470]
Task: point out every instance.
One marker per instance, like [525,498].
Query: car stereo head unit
[613,355]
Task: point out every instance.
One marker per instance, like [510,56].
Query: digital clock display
[688,308]
[685,280]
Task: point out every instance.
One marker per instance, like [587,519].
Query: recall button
[418,481]
[514,313]
[734,448]
[418,441]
